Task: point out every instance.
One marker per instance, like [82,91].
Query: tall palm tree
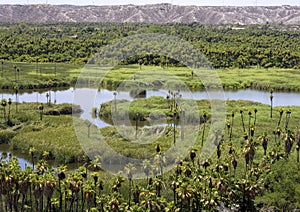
[232,120]
[18,72]
[204,115]
[193,155]
[49,185]
[129,170]
[160,161]
[255,111]
[297,137]
[47,96]
[271,99]
[249,121]
[89,191]
[288,140]
[16,88]
[264,142]
[287,119]
[146,168]
[280,116]
[9,104]
[3,104]
[41,109]
[242,117]
[2,62]
[61,176]
[234,164]
[32,151]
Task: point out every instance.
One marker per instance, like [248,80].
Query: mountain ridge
[151,13]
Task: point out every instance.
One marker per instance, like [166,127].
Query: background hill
[155,13]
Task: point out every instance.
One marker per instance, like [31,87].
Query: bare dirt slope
[155,13]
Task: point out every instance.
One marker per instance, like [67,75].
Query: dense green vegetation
[22,76]
[238,175]
[256,162]
[262,46]
[66,75]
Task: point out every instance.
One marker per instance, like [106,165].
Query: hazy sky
[139,2]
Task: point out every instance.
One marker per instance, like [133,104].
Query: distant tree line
[225,46]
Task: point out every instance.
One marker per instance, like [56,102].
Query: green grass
[32,76]
[41,75]
[54,133]
[151,76]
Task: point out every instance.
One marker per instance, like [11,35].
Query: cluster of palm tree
[218,183]
[6,115]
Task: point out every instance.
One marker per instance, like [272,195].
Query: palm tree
[174,126]
[115,101]
[24,184]
[232,119]
[160,161]
[88,188]
[18,72]
[242,116]
[185,193]
[49,185]
[41,109]
[32,150]
[146,168]
[117,184]
[288,139]
[2,62]
[234,164]
[47,96]
[16,88]
[9,104]
[129,169]
[228,128]
[204,115]
[61,176]
[158,184]
[249,120]
[298,143]
[264,142]
[280,116]
[38,188]
[4,103]
[249,152]
[287,119]
[271,99]
[193,155]
[149,200]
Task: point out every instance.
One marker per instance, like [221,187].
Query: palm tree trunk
[129,192]
[243,122]
[230,135]
[203,131]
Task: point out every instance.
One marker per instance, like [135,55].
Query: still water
[90,98]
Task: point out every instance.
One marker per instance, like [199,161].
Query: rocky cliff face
[156,13]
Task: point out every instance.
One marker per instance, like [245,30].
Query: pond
[90,98]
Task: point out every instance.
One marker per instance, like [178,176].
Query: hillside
[154,13]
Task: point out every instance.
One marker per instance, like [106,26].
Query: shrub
[6,136]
